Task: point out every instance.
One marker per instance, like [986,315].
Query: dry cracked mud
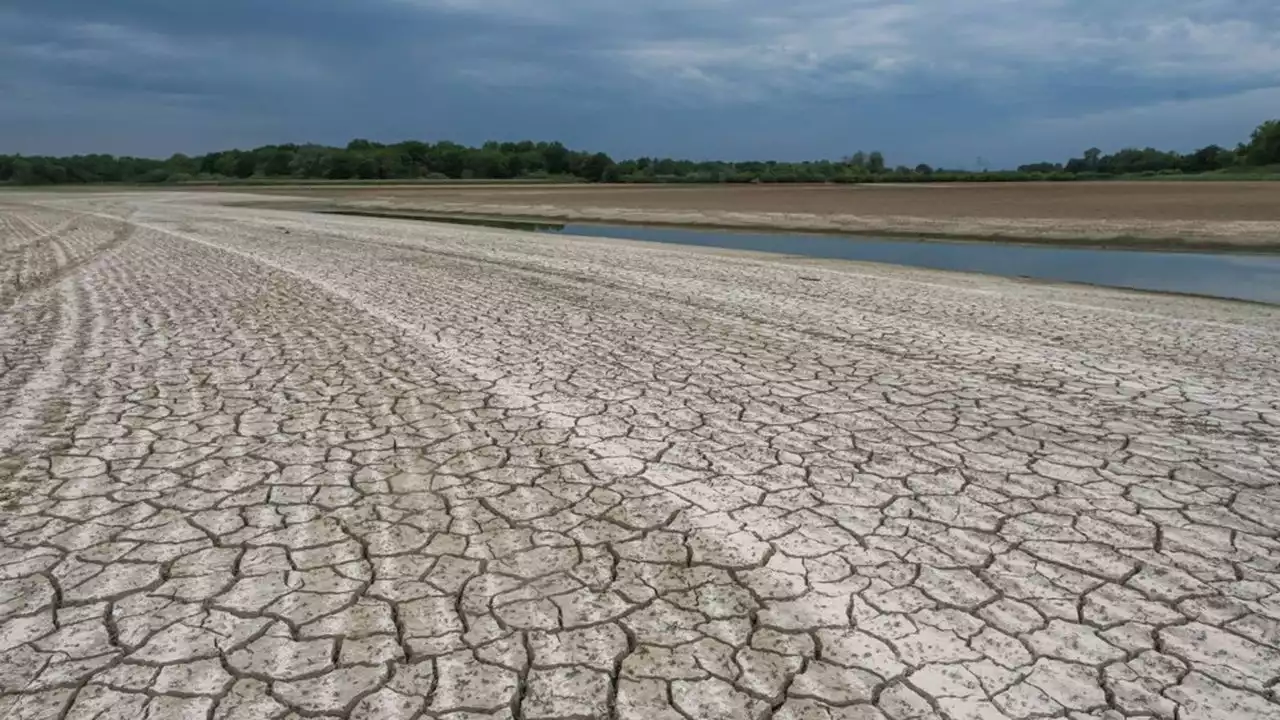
[258,464]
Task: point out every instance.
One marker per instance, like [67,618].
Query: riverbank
[1021,234]
[1217,217]
[1217,274]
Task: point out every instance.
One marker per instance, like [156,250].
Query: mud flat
[267,462]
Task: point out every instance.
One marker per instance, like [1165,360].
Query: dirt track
[1219,213]
[257,462]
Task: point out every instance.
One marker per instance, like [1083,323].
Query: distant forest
[414,160]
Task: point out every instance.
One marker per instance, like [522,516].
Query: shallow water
[1234,275]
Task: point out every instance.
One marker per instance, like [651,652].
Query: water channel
[1238,276]
[1224,275]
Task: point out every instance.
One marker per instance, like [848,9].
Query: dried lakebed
[259,464]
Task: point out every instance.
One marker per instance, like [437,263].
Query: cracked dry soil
[260,465]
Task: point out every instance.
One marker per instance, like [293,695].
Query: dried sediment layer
[277,463]
[1173,234]
[1171,214]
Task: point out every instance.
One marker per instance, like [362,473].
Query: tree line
[415,160]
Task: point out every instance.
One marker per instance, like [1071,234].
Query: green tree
[1206,159]
[415,154]
[875,162]
[532,161]
[342,166]
[1264,144]
[280,163]
[225,164]
[595,167]
[448,158]
[555,158]
[489,162]
[179,163]
[245,165]
[525,158]
[367,168]
[310,161]
[24,173]
[209,163]
[1092,158]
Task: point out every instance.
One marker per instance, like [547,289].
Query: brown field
[1187,214]
[1087,201]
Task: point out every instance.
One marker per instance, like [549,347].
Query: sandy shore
[258,462]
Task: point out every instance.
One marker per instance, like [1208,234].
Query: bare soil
[1084,201]
[1190,215]
[258,464]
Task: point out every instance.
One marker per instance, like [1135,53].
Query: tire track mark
[30,404]
[66,259]
[41,235]
[337,313]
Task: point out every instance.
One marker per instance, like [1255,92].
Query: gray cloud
[748,44]
[923,80]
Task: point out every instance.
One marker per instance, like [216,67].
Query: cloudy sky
[940,81]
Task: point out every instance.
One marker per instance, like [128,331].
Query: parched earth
[1190,215]
[259,464]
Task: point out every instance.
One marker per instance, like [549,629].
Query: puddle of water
[1236,276]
